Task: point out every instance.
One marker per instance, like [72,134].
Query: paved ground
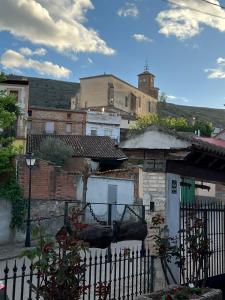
[10,251]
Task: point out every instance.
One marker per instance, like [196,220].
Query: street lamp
[30,163]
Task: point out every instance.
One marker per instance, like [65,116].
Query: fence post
[205,238]
[143,221]
[109,224]
[66,211]
[110,214]
[152,269]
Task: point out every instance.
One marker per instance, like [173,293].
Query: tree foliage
[163,97]
[179,124]
[9,111]
[10,189]
[55,150]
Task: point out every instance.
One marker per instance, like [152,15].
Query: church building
[110,92]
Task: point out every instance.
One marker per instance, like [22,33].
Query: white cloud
[185,23]
[68,9]
[220,61]
[53,23]
[28,52]
[141,38]
[171,97]
[129,10]
[15,60]
[219,71]
[177,98]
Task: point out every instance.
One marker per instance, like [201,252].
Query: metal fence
[128,273]
[211,217]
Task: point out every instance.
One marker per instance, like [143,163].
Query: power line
[194,9]
[215,4]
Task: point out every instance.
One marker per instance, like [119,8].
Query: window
[49,127]
[15,94]
[126,101]
[68,128]
[29,112]
[139,102]
[149,106]
[94,131]
[69,116]
[108,132]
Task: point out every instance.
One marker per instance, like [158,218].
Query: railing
[212,218]
[128,273]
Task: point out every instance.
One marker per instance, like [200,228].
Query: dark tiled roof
[96,147]
[48,92]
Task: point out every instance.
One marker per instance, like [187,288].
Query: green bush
[56,151]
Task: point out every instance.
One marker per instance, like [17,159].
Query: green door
[188,191]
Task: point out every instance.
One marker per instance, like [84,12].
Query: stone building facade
[110,91]
[56,121]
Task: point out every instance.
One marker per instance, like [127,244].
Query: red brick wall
[48,181]
[60,119]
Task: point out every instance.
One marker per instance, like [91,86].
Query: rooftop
[210,145]
[95,147]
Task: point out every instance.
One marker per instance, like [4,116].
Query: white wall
[98,192]
[103,121]
[101,130]
[173,213]
[154,139]
[7,235]
[125,124]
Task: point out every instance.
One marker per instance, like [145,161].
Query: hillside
[49,92]
[213,115]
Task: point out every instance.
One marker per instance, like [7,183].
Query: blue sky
[69,39]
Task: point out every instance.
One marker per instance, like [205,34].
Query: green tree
[179,124]
[9,188]
[163,97]
[55,150]
[9,111]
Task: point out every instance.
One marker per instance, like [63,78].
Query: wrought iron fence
[212,219]
[128,273]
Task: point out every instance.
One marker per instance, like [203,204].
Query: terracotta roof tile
[96,147]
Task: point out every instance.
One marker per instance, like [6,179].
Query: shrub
[55,150]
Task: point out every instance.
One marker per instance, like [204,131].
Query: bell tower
[146,83]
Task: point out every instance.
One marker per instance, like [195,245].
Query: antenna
[146,67]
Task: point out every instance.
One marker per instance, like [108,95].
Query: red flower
[47,248]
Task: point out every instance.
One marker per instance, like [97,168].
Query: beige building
[109,91]
[19,88]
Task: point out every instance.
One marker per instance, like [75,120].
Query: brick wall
[48,181]
[60,118]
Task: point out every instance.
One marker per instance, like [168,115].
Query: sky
[182,41]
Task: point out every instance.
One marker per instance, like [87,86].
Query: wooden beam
[197,161]
[184,168]
[222,167]
[212,162]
